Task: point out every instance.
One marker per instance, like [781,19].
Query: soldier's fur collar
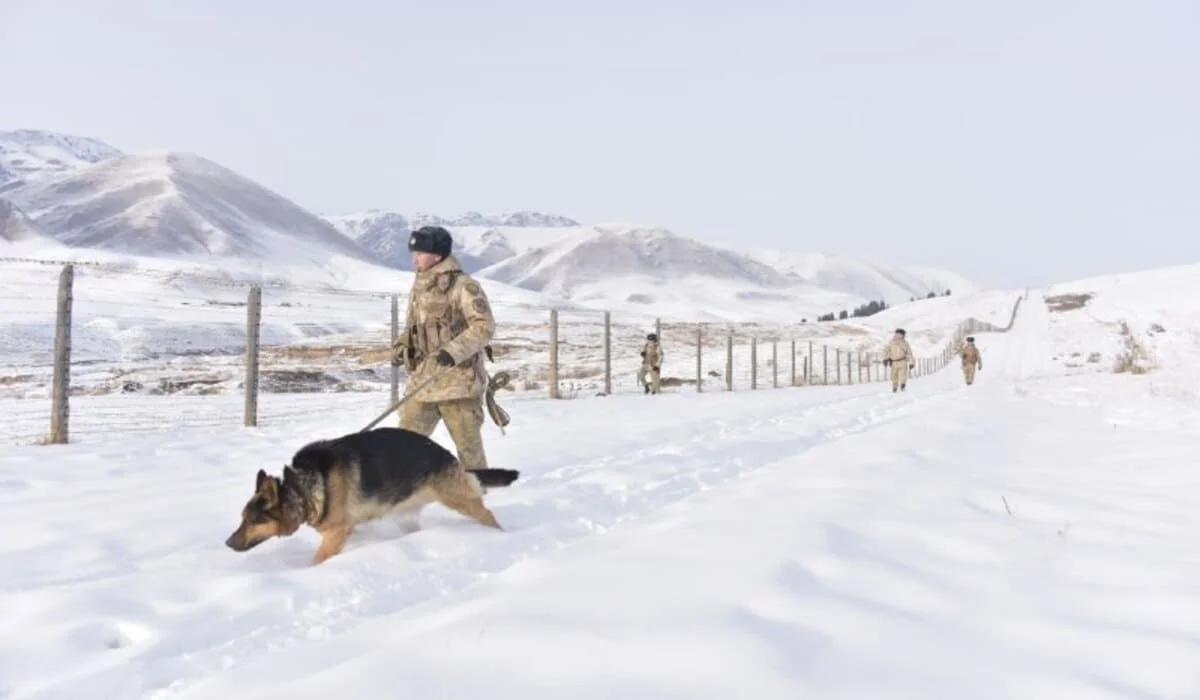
[443,266]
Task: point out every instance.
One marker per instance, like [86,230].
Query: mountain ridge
[81,192]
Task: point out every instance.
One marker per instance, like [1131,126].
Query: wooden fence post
[753,362]
[607,353]
[825,363]
[699,359]
[808,366]
[774,364]
[729,361]
[60,393]
[253,324]
[395,334]
[553,353]
[793,362]
[658,329]
[838,365]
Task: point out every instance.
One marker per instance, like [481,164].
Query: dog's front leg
[332,541]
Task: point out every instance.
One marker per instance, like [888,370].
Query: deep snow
[1033,536]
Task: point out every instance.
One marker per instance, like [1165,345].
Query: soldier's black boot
[647,388]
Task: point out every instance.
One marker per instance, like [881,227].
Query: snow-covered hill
[521,219]
[480,240]
[843,519]
[179,205]
[627,265]
[15,226]
[27,154]
[864,279]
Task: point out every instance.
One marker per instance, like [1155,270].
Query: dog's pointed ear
[270,489]
[259,479]
[288,473]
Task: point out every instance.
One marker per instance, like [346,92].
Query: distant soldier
[652,357]
[899,356]
[971,360]
[447,328]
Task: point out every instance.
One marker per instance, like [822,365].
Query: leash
[392,409]
[499,416]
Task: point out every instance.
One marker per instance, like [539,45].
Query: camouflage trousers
[899,373]
[464,422]
[969,373]
[651,378]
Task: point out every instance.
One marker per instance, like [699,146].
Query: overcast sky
[1015,142]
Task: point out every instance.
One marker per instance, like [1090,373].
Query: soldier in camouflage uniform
[971,360]
[447,329]
[899,356]
[652,357]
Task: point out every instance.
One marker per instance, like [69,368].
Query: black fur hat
[652,336]
[970,339]
[900,331]
[431,239]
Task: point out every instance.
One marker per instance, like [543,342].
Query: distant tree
[912,298]
[947,292]
[870,308]
[843,314]
[930,295]
[826,317]
[804,320]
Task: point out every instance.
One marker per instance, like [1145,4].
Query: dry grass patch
[1068,302]
[1133,358]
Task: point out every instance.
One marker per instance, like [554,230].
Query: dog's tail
[495,478]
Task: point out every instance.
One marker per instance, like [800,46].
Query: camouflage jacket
[970,355]
[898,350]
[447,310]
[652,354]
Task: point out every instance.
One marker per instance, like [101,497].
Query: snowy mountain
[27,154]
[14,225]
[866,279]
[178,205]
[82,193]
[519,219]
[616,264]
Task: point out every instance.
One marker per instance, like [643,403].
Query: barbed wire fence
[214,353]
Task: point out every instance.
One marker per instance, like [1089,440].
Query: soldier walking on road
[447,330]
[652,357]
[971,360]
[899,356]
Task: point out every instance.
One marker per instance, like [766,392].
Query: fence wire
[150,350]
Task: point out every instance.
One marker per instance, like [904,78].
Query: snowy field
[1032,537]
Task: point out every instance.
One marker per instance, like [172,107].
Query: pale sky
[1015,142]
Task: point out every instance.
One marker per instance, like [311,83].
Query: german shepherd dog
[334,485]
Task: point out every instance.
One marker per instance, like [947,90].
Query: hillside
[629,266]
[180,206]
[1055,506]
[27,154]
[15,226]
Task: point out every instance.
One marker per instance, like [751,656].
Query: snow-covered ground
[1031,537]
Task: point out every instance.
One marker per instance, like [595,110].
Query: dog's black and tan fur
[334,485]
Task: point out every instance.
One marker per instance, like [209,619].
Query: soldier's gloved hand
[399,354]
[656,368]
[444,359]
